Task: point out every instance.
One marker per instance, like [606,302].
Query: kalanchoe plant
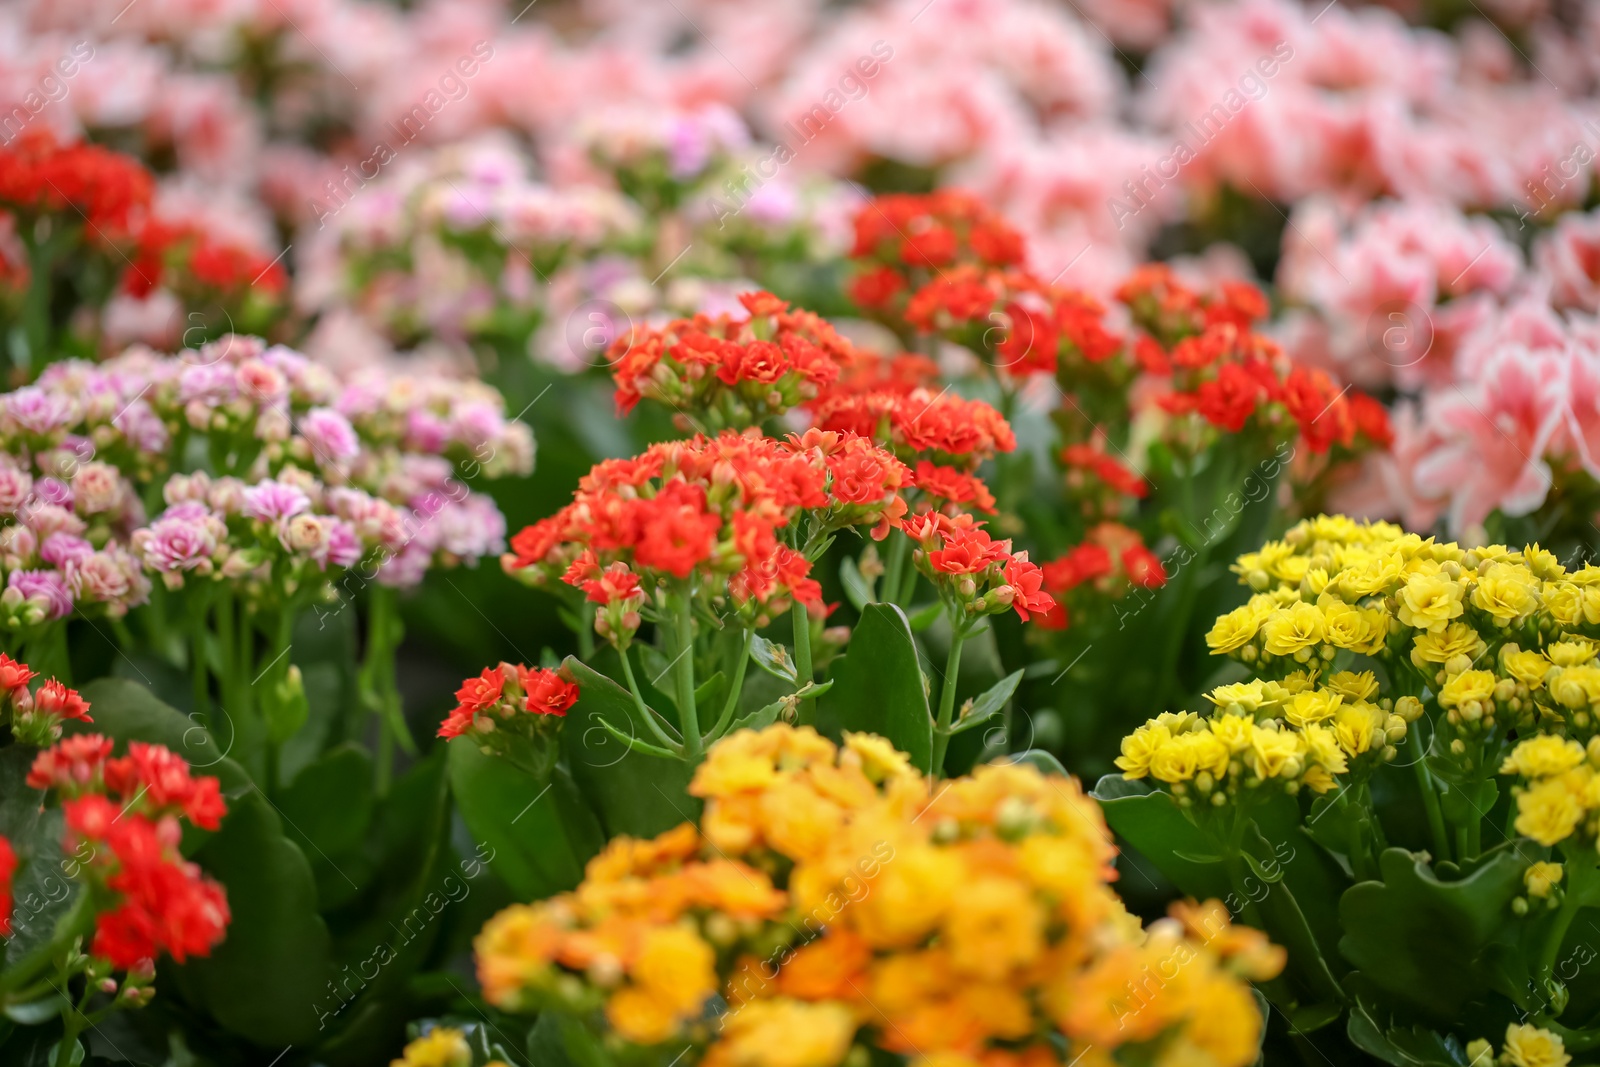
[709,539]
[112,827]
[1420,734]
[512,711]
[834,903]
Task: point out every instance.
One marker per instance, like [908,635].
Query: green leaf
[542,833]
[1043,761]
[924,617]
[632,793]
[1149,821]
[988,704]
[261,981]
[38,1011]
[328,806]
[558,1040]
[774,658]
[1416,1046]
[126,711]
[878,686]
[710,691]
[857,589]
[1418,938]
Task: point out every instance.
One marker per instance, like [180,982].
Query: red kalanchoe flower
[162,781]
[8,867]
[480,692]
[1086,562]
[14,676]
[166,904]
[546,692]
[72,765]
[517,690]
[966,551]
[954,487]
[730,370]
[1026,582]
[57,700]
[38,174]
[1143,567]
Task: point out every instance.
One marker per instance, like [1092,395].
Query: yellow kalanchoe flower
[439,1047]
[1530,1046]
[1362,686]
[1541,877]
[1294,630]
[1506,593]
[1543,757]
[1234,630]
[1430,601]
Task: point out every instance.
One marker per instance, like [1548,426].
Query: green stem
[731,705]
[683,671]
[899,549]
[802,657]
[645,713]
[947,701]
[1580,868]
[908,586]
[1358,853]
[380,691]
[1430,803]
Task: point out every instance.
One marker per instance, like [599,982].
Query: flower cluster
[63,537]
[37,717]
[500,697]
[1560,794]
[1218,368]
[442,1046]
[953,927]
[730,371]
[974,574]
[128,808]
[1525,1045]
[899,238]
[39,176]
[1111,560]
[1303,730]
[713,511]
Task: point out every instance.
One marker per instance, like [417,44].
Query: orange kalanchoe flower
[725,513]
[503,697]
[726,371]
[955,923]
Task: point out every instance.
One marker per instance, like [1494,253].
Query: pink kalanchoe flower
[46,587]
[177,543]
[54,491]
[142,427]
[40,412]
[60,549]
[16,486]
[1568,258]
[97,488]
[261,381]
[344,547]
[273,502]
[113,578]
[332,439]
[45,519]
[1496,434]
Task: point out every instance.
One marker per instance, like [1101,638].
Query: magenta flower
[274,502]
[331,437]
[47,587]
